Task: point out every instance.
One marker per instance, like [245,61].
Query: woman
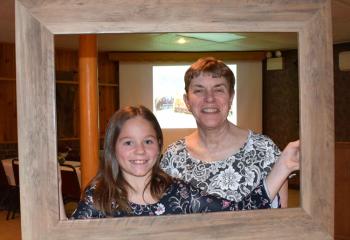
[130,182]
[219,157]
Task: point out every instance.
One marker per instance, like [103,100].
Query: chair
[70,184]
[14,203]
[4,189]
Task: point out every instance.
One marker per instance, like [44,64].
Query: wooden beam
[185,56]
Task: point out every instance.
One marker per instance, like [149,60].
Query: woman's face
[137,149]
[209,100]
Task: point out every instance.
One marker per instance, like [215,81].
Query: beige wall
[135,79]
[249,95]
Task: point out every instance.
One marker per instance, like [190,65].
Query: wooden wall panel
[342,191]
[106,69]
[7,60]
[8,114]
[67,108]
[66,63]
[67,92]
[108,105]
[67,60]
[342,96]
[108,78]
[8,110]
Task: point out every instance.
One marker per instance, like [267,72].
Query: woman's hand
[288,162]
[290,157]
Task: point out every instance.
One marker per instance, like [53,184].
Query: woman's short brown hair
[213,67]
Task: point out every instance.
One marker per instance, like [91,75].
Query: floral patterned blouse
[180,198]
[233,178]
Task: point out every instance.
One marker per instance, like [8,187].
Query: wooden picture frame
[38,21]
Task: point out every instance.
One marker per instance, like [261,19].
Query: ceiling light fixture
[181,40]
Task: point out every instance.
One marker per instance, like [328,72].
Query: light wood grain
[222,225]
[37,143]
[36,21]
[317,119]
[171,16]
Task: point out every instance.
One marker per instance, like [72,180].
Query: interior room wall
[342,145]
[67,98]
[8,111]
[281,100]
[249,95]
[341,96]
[279,91]
[135,82]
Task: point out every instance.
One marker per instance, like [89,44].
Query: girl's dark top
[180,198]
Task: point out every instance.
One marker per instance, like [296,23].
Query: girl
[130,182]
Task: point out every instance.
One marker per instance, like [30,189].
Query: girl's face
[137,149]
[209,100]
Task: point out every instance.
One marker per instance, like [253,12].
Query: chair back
[13,197]
[3,178]
[70,184]
[15,167]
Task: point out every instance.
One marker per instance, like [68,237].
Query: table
[7,163]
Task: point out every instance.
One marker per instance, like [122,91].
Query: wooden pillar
[88,84]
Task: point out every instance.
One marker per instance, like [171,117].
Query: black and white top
[179,198]
[233,178]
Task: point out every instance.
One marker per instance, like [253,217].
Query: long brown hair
[110,192]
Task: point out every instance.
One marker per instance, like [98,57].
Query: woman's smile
[210,110]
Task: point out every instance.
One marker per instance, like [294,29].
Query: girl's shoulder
[177,185]
[88,194]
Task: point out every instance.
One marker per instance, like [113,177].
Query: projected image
[168,104]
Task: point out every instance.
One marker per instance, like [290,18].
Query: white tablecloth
[7,163]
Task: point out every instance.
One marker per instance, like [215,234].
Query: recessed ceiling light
[181,40]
